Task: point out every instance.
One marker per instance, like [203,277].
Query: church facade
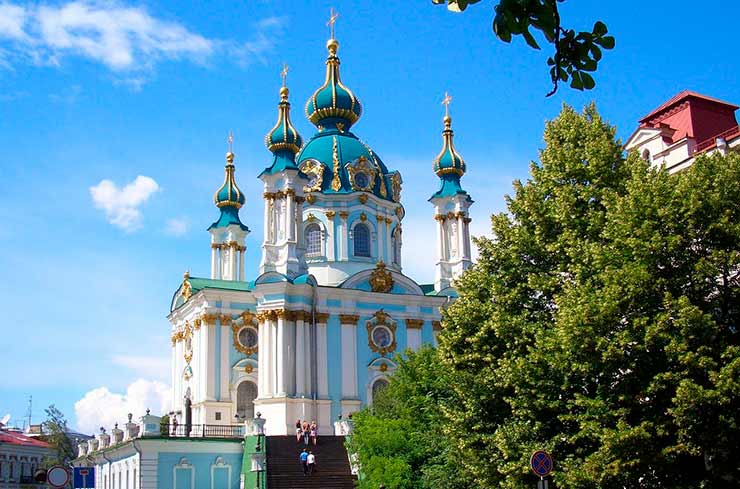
[314,335]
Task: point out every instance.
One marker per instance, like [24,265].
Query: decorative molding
[381,319]
[414,323]
[249,368]
[363,217]
[348,318]
[247,350]
[381,279]
[336,183]
[186,290]
[310,198]
[363,198]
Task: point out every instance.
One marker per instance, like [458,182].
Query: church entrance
[246,393]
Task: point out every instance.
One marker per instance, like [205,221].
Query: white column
[460,238]
[413,338]
[214,261]
[263,358]
[234,261]
[210,354]
[330,251]
[266,223]
[280,357]
[321,354]
[241,264]
[300,354]
[219,275]
[349,358]
[381,241]
[440,240]
[389,242]
[290,217]
[468,253]
[343,237]
[225,367]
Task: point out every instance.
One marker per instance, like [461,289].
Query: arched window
[362,240]
[646,155]
[246,393]
[313,240]
[379,385]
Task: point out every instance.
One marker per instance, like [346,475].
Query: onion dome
[333,104]
[283,137]
[283,140]
[449,165]
[448,160]
[229,198]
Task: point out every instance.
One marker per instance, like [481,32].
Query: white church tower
[451,204]
[228,234]
[282,248]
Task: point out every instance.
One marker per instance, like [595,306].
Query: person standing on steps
[311,463]
[306,432]
[298,431]
[304,461]
[314,432]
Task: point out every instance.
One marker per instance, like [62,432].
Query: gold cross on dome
[284,73]
[332,20]
[446,102]
[230,140]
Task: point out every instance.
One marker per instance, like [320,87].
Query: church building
[314,334]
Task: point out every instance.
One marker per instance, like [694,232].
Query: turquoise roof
[335,157]
[229,216]
[448,160]
[197,284]
[228,198]
[333,104]
[449,187]
[283,139]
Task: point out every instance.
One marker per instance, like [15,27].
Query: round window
[382,337]
[248,337]
[362,180]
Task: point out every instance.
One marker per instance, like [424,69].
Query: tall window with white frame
[397,247]
[313,240]
[361,240]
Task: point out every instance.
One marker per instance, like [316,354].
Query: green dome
[333,104]
[337,162]
[283,137]
[229,194]
[448,160]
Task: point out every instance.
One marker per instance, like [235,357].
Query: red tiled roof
[684,95]
[14,438]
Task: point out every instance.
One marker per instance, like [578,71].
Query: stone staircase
[284,470]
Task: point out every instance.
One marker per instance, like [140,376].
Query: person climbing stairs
[284,469]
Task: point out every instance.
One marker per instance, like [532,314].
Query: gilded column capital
[226,320]
[247,317]
[437,325]
[349,318]
[216,246]
[380,218]
[322,317]
[467,220]
[209,319]
[289,191]
[414,323]
[344,214]
[330,214]
[459,214]
[268,195]
[300,199]
[450,215]
[440,217]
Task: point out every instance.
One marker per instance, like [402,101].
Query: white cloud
[101,407]
[125,39]
[122,205]
[158,367]
[177,226]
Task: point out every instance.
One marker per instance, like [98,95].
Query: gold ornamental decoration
[387,328]
[336,183]
[186,290]
[381,279]
[237,344]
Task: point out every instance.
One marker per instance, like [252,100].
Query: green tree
[55,433]
[399,440]
[600,322]
[576,53]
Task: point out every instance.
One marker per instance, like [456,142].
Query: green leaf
[599,28]
[607,42]
[501,30]
[576,81]
[588,81]
[530,40]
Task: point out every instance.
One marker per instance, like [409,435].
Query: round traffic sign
[57,476]
[541,463]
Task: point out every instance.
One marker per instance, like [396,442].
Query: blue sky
[111,91]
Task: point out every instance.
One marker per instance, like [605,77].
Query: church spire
[283,139]
[228,232]
[333,104]
[451,205]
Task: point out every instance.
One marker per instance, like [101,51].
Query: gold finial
[230,153]
[284,74]
[332,20]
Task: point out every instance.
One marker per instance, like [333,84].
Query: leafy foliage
[577,53]
[55,429]
[399,440]
[600,322]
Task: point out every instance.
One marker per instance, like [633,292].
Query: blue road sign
[84,477]
[541,463]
